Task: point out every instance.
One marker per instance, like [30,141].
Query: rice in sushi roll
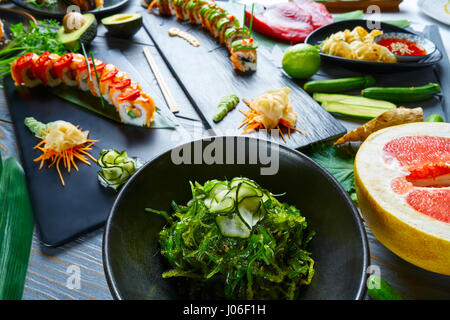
[204,11]
[223,24]
[21,70]
[192,10]
[212,19]
[66,67]
[45,70]
[93,83]
[243,55]
[135,107]
[118,87]
[235,33]
[179,8]
[83,73]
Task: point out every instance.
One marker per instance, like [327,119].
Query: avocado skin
[72,41]
[120,28]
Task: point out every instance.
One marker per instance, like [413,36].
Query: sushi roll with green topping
[179,7]
[235,33]
[192,10]
[204,11]
[223,24]
[212,19]
[243,55]
[164,7]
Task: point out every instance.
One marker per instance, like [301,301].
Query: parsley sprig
[36,38]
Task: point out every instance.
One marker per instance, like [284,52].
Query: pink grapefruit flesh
[426,158]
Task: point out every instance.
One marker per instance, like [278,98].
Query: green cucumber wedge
[357,111]
[353,100]
[402,94]
[379,289]
[339,85]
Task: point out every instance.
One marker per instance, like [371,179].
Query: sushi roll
[82,73]
[243,55]
[118,87]
[135,107]
[235,33]
[164,8]
[65,67]
[223,24]
[46,72]
[204,11]
[212,19]
[94,83]
[179,8]
[192,10]
[21,70]
[109,77]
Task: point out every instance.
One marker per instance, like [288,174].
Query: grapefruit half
[402,179]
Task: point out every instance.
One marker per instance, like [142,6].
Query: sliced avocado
[123,24]
[72,40]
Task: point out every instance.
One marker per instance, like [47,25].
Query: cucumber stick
[402,94]
[379,289]
[353,100]
[339,85]
[352,110]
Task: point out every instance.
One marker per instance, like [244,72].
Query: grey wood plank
[47,271]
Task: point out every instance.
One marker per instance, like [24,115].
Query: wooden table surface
[50,269]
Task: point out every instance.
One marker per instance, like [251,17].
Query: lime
[434,118]
[301,61]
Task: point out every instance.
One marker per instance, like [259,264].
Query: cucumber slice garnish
[226,205]
[232,226]
[116,167]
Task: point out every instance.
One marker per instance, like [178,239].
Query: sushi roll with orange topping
[82,73]
[43,69]
[21,70]
[135,107]
[66,67]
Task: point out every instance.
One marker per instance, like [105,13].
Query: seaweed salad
[236,240]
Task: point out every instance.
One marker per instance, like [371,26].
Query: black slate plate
[320,34]
[59,9]
[131,254]
[206,75]
[63,213]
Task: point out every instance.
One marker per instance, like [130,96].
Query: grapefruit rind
[415,237]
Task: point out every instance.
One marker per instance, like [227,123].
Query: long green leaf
[16,230]
[91,103]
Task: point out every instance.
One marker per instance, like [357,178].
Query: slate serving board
[63,213]
[206,75]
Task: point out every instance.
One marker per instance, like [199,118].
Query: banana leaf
[93,104]
[16,230]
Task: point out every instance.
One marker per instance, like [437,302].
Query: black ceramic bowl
[132,261]
[321,34]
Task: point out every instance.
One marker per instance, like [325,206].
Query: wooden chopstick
[162,84]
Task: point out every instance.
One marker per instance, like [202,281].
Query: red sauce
[402,47]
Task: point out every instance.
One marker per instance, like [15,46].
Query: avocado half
[72,40]
[123,24]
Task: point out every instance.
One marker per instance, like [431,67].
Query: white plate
[436,9]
